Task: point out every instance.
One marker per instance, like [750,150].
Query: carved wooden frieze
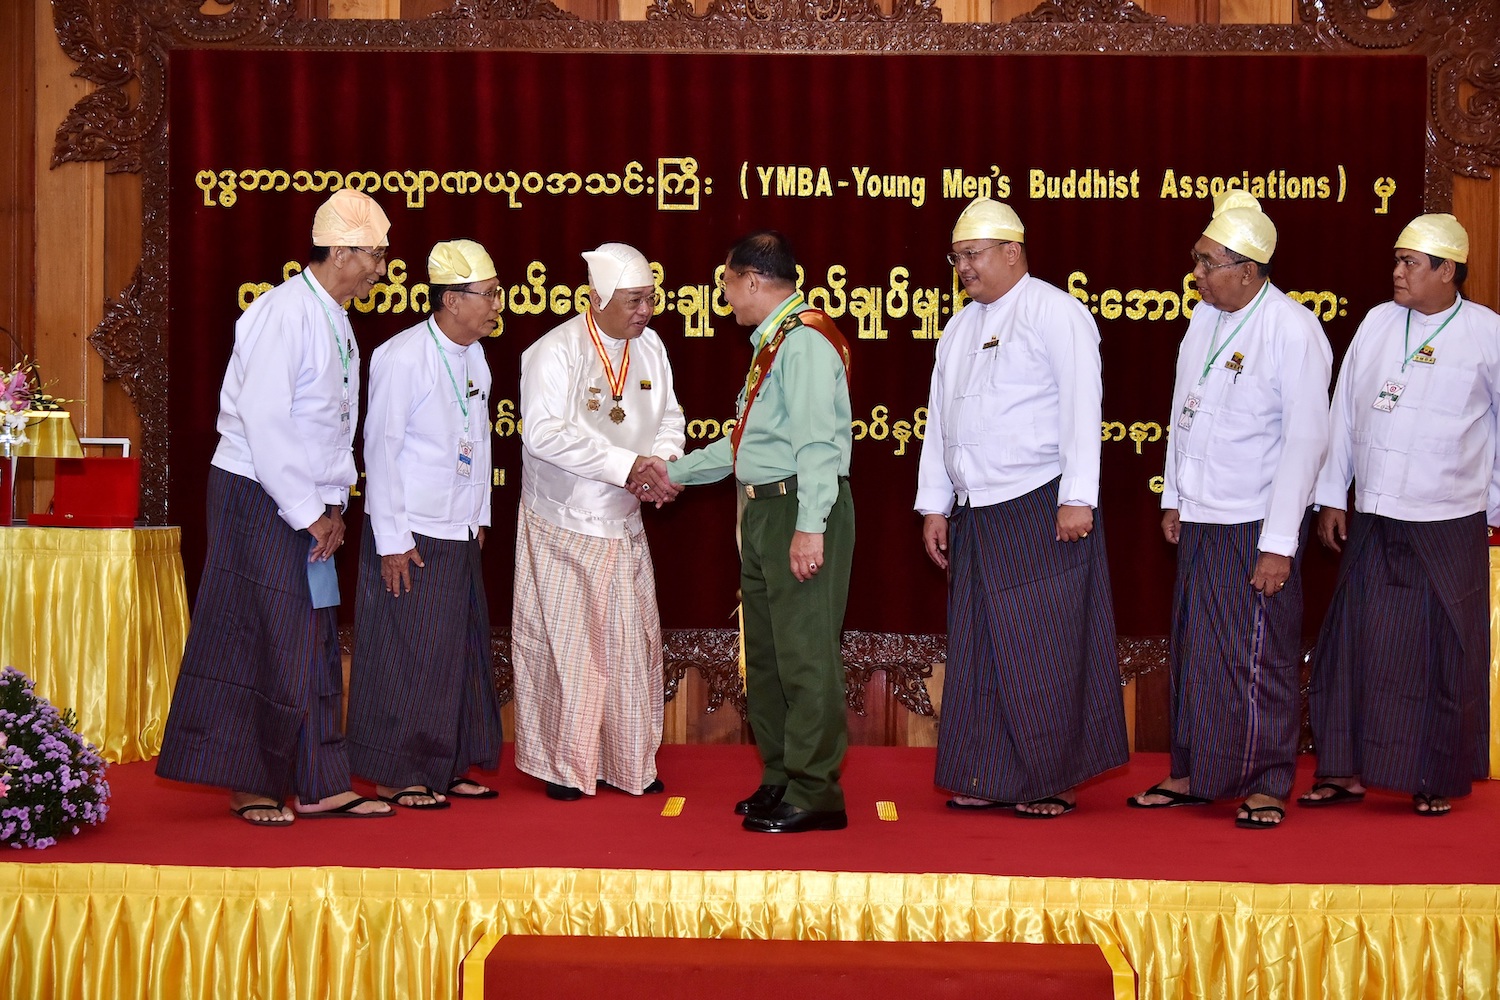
[503,10]
[1461,40]
[132,353]
[715,654]
[906,661]
[1108,11]
[784,11]
[1141,655]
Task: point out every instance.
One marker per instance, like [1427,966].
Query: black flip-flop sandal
[1050,800]
[453,792]
[243,812]
[1174,799]
[346,811]
[1251,820]
[1338,796]
[1423,799]
[399,799]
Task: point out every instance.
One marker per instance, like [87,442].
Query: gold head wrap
[350,219]
[459,262]
[1240,225]
[988,219]
[1440,235]
[617,265]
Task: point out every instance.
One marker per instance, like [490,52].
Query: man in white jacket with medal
[597,408]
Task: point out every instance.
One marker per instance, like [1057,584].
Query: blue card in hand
[323,581]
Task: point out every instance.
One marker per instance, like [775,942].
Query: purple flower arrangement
[51,780]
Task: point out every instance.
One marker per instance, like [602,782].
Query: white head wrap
[350,219]
[1439,235]
[459,262]
[1241,226]
[988,219]
[616,265]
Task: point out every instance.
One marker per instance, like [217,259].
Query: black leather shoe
[763,798]
[563,793]
[787,818]
[655,788]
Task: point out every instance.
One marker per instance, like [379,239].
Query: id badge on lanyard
[1189,411]
[1390,395]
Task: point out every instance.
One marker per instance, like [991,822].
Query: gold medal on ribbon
[616,383]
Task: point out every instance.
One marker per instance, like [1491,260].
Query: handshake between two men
[648,481]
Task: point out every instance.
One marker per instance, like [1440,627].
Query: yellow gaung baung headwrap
[1241,226]
[350,219]
[1440,235]
[988,219]
[617,265]
[459,262]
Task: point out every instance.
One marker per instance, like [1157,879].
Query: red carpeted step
[157,822]
[615,968]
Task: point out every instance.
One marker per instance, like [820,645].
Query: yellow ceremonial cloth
[49,434]
[97,619]
[99,931]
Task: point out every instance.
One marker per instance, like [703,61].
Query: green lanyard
[774,322]
[462,403]
[1406,343]
[333,328]
[1218,349]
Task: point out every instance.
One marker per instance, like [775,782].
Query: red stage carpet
[155,822]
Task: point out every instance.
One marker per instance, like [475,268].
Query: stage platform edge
[502,966]
[90,931]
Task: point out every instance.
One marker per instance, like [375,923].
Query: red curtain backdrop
[864,161]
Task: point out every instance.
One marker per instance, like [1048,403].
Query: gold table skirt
[97,618]
[97,931]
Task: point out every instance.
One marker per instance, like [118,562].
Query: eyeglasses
[377,255]
[1204,261]
[630,303]
[969,255]
[493,294]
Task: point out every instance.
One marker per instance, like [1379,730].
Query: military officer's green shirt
[799,425]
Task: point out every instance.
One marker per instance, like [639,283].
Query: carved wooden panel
[906,660]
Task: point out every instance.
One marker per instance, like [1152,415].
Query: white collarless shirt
[1432,457]
[1259,430]
[1015,402]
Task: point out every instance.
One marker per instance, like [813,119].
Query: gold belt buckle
[779,490]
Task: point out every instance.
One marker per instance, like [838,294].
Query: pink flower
[15,394]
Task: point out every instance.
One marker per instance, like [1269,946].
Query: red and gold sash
[815,319]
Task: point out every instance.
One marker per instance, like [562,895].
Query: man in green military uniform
[789,454]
